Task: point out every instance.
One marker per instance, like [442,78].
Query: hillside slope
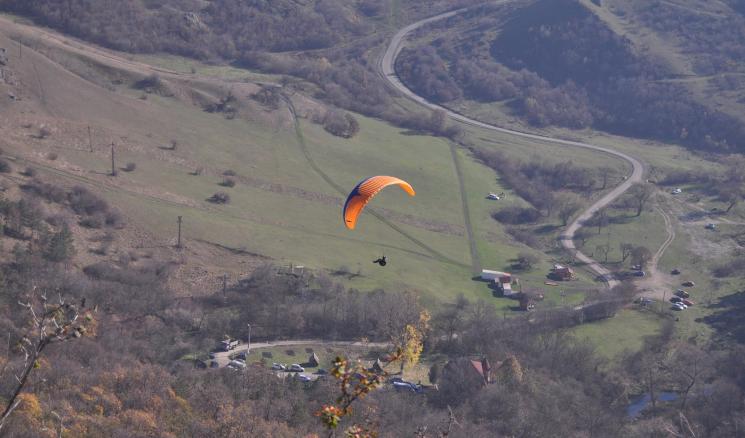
[289,173]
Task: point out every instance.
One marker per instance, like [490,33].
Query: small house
[475,373]
[562,273]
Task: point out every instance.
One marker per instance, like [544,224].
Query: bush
[130,167]
[525,261]
[341,124]
[229,173]
[52,156]
[29,171]
[83,201]
[219,198]
[227,182]
[96,221]
[50,192]
[44,132]
[523,236]
[517,215]
[114,219]
[4,166]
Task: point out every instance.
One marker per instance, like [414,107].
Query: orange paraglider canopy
[365,191]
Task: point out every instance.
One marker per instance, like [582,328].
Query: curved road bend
[387,68]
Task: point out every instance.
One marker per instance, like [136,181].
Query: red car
[687,302]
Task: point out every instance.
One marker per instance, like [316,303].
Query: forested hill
[557,62]
[221,28]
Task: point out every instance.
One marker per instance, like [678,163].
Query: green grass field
[626,332]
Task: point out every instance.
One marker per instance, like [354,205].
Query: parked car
[688,303]
[636,267]
[678,307]
[493,197]
[676,299]
[681,305]
[229,344]
[295,368]
[681,293]
[321,371]
[407,386]
[644,301]
[237,364]
[243,355]
[640,273]
[711,226]
[278,367]
[689,284]
[676,191]
[212,354]
[675,271]
[214,364]
[303,378]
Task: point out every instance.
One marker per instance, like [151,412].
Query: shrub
[44,132]
[525,261]
[517,215]
[219,198]
[198,171]
[96,221]
[130,167]
[83,201]
[227,182]
[29,171]
[4,166]
[114,219]
[341,124]
[50,192]
[229,173]
[52,156]
[523,236]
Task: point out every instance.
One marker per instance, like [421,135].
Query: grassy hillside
[291,178]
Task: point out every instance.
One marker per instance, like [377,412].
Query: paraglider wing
[365,191]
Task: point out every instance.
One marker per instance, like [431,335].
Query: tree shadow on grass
[728,320]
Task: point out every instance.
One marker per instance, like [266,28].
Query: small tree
[731,194]
[437,120]
[60,247]
[605,174]
[626,249]
[227,182]
[50,322]
[219,198]
[44,132]
[603,250]
[570,204]
[130,167]
[641,193]
[526,261]
[641,255]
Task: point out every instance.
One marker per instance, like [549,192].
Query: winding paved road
[387,68]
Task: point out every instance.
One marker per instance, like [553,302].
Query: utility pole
[90,138]
[178,242]
[225,287]
[249,339]
[113,167]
